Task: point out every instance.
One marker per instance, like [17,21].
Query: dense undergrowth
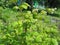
[27,28]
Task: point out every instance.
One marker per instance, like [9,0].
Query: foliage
[26,28]
[8,3]
[22,6]
[57,13]
[51,10]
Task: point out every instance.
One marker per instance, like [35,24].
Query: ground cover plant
[26,28]
[21,26]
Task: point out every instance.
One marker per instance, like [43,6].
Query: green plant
[7,3]
[24,6]
[57,13]
[27,28]
[50,10]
